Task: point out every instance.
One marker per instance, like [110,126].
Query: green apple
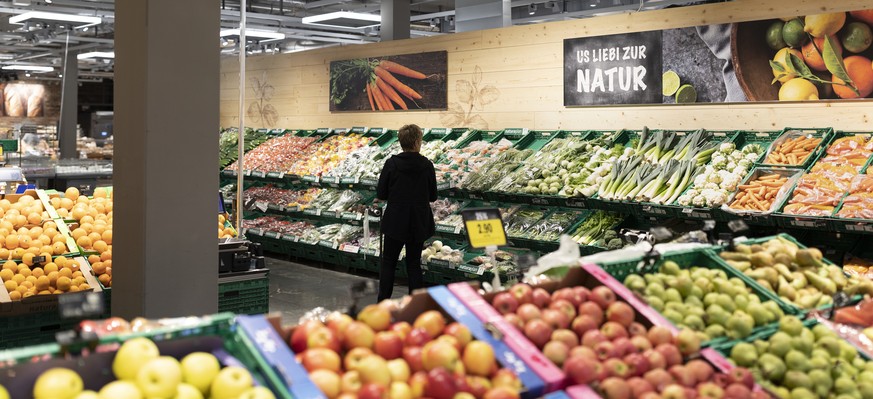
[87,395]
[159,378]
[257,393]
[230,383]
[58,383]
[187,391]
[199,369]
[120,389]
[132,355]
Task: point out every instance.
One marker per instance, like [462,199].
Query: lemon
[821,25]
[781,58]
[798,89]
[670,83]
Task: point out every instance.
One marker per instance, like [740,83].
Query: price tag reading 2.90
[484,227]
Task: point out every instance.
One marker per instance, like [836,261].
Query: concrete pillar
[166,149]
[482,14]
[395,20]
[69,107]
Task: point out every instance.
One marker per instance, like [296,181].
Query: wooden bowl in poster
[751,58]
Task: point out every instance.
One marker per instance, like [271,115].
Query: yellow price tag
[485,233]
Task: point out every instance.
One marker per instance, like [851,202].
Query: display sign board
[613,69]
[484,227]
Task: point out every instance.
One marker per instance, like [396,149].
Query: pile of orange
[94,230]
[40,275]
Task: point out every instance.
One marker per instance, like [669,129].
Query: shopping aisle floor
[297,288]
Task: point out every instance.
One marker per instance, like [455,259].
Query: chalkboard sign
[613,69]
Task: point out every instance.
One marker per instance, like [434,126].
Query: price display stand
[485,230]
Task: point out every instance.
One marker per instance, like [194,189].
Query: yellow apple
[199,369]
[374,369]
[230,383]
[187,391]
[58,383]
[399,370]
[159,378]
[400,390]
[479,358]
[120,389]
[87,395]
[4,394]
[258,393]
[132,355]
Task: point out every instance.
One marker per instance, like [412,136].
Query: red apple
[612,330]
[671,354]
[637,363]
[566,336]
[582,294]
[436,354]
[710,390]
[323,337]
[412,355]
[528,312]
[459,331]
[702,370]
[320,358]
[301,335]
[514,320]
[538,332]
[354,357]
[636,329]
[556,319]
[432,321]
[501,393]
[624,346]
[338,322]
[655,358]
[522,292]
[401,328]
[417,337]
[564,306]
[591,309]
[650,395]
[375,316]
[660,335]
[351,382]
[605,350]
[682,375]
[584,323]
[541,298]
[556,351]
[737,391]
[639,386]
[440,384]
[740,375]
[358,335]
[602,296]
[659,378]
[505,303]
[566,294]
[373,391]
[621,313]
[583,351]
[478,385]
[641,343]
[723,380]
[616,388]
[592,338]
[461,384]
[388,345]
[582,370]
[617,368]
[674,391]
[506,378]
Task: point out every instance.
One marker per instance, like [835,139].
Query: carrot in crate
[793,151]
[759,194]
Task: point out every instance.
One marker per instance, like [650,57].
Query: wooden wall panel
[524,63]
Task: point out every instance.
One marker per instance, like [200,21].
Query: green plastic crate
[826,135]
[245,297]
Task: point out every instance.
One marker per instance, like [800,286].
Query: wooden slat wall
[525,64]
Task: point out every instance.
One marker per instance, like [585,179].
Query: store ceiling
[43,42]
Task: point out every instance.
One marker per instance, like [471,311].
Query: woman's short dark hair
[409,136]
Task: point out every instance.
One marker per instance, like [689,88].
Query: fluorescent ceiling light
[344,19]
[261,34]
[35,68]
[96,54]
[84,20]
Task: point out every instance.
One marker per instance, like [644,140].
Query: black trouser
[390,252]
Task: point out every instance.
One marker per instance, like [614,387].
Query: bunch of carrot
[793,151]
[759,194]
[384,90]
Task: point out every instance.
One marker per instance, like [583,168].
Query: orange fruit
[59,248]
[15,295]
[99,268]
[860,71]
[50,267]
[84,242]
[27,259]
[863,15]
[812,56]
[42,283]
[38,272]
[64,283]
[6,274]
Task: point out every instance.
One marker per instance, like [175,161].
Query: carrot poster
[390,83]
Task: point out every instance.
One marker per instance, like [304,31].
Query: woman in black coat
[408,184]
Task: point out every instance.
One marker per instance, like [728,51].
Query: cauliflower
[752,156]
[710,186]
[714,178]
[685,200]
[699,200]
[700,179]
[726,148]
[731,166]
[753,149]
[745,164]
[718,161]
[730,184]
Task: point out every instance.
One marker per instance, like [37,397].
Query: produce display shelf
[826,135]
[536,139]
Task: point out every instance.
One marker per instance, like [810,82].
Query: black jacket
[408,183]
